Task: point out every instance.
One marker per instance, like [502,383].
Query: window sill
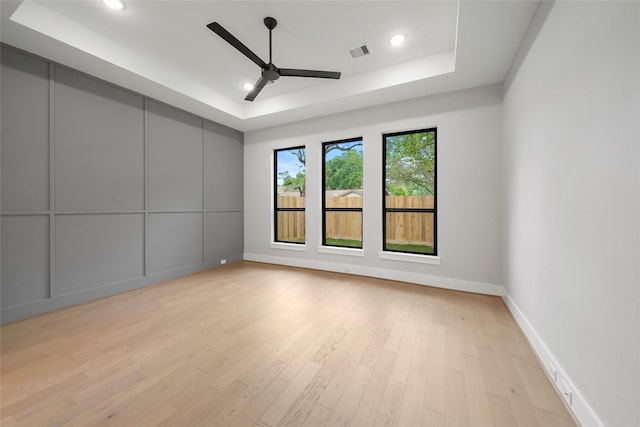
[340,251]
[421,259]
[288,246]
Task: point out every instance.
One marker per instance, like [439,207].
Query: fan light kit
[270,73]
[114,4]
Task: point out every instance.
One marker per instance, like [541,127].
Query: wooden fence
[410,227]
[402,227]
[291,224]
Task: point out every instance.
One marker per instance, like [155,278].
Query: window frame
[276,209]
[324,197]
[433,210]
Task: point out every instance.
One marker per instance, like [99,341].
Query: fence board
[402,227]
[291,224]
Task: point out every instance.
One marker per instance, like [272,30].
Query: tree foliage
[344,171]
[410,164]
[293,183]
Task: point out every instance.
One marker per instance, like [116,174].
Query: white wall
[469,203]
[571,188]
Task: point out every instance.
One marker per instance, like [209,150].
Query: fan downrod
[270,22]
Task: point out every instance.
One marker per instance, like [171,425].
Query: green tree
[293,183]
[344,171]
[410,164]
[396,190]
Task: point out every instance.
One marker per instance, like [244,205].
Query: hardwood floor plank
[517,393]
[250,393]
[158,416]
[349,397]
[537,384]
[391,405]
[370,402]
[491,374]
[318,417]
[501,411]
[431,418]
[252,413]
[281,406]
[395,335]
[267,345]
[304,405]
[420,354]
[306,352]
[547,418]
[434,396]
[457,406]
[8,422]
[405,353]
[476,392]
[350,365]
[143,397]
[205,406]
[375,348]
[412,410]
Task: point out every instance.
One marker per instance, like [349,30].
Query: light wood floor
[252,344]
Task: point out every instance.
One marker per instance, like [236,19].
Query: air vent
[359,51]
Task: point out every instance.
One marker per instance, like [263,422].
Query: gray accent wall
[105,190]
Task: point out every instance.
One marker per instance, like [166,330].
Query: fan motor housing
[270,22]
[271,74]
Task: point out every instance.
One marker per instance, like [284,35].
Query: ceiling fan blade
[290,72]
[256,89]
[229,38]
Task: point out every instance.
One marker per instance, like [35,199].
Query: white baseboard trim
[583,412]
[58,302]
[382,273]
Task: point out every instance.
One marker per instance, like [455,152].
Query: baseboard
[581,409]
[382,273]
[30,309]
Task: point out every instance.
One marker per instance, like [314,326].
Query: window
[342,193]
[410,203]
[289,196]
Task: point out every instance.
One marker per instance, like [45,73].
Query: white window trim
[288,246]
[399,256]
[340,251]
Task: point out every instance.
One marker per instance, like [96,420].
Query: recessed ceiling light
[248,87]
[114,4]
[397,39]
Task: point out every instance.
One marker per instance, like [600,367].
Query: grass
[344,243]
[411,248]
[397,247]
[419,249]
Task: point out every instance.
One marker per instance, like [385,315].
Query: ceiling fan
[270,73]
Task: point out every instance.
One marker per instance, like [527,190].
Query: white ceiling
[163,49]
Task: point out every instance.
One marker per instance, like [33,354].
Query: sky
[287,162]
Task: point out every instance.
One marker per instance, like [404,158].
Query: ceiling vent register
[358,52]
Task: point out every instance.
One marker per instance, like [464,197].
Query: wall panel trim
[104,95]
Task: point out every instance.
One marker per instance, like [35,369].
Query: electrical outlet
[566,393]
[553,372]
[223,261]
